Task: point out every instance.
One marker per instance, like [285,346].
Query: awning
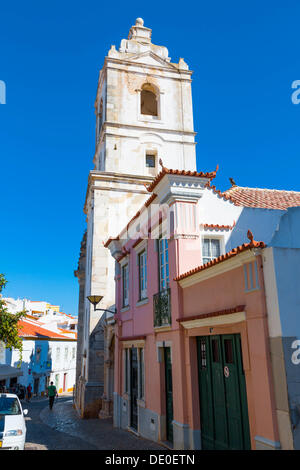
[7,371]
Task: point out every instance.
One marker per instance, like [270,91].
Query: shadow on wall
[94,388]
[287,234]
[262,223]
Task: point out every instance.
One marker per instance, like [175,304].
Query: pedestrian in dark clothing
[29,389]
[52,393]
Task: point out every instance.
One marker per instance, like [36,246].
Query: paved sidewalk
[97,432]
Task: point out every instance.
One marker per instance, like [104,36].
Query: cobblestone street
[62,429]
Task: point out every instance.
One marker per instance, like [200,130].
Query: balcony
[162,308]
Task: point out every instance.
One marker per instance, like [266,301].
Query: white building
[47,356]
[49,347]
[47,314]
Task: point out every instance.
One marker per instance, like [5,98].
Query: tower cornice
[113,181]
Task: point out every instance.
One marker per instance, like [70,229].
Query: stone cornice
[150,128]
[96,176]
[127,64]
[158,129]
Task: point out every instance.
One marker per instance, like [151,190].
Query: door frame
[214,362]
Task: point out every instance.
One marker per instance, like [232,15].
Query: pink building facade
[192,361]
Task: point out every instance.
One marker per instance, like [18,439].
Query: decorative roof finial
[140,33]
[250,236]
[161,164]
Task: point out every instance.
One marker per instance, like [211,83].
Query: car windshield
[9,406]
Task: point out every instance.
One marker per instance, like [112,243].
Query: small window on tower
[150,160]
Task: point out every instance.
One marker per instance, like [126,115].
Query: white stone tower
[143,113]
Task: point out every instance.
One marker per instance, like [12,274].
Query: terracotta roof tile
[68,332]
[259,197]
[227,311]
[230,254]
[167,171]
[111,239]
[164,171]
[27,329]
[146,204]
[218,227]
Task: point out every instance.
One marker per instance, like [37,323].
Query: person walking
[29,392]
[52,393]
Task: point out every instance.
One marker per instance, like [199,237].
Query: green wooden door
[205,391]
[169,394]
[222,388]
[218,394]
[133,388]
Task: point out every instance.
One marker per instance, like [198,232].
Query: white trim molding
[227,319]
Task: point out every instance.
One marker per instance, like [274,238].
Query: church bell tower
[143,113]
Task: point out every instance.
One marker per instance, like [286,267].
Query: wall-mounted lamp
[96,299]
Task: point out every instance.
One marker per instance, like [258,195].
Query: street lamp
[95,299]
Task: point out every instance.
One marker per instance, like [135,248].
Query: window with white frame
[57,354]
[163,262]
[211,249]
[66,354]
[125,285]
[142,263]
[150,159]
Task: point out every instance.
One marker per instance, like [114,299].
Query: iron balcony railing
[162,308]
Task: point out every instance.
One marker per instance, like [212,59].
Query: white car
[12,422]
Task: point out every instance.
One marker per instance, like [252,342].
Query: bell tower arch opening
[149,100]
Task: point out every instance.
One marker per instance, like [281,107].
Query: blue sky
[244,56]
